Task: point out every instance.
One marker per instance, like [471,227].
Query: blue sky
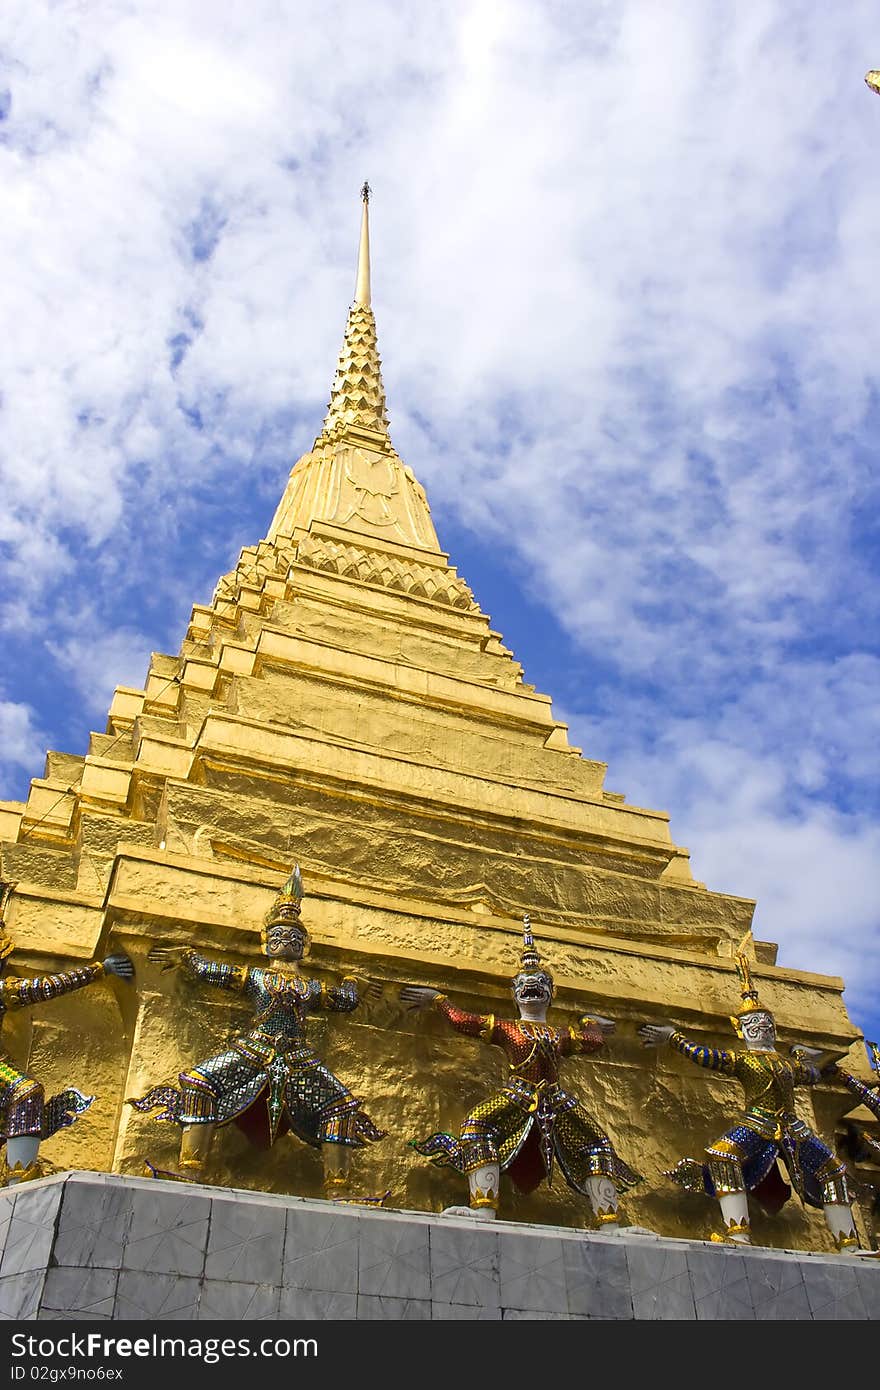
[625,276]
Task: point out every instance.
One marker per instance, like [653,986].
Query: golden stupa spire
[357,397]
[352,477]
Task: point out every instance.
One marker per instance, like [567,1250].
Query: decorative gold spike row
[734,1228]
[605,1215]
[846,1240]
[21,1172]
[479,1199]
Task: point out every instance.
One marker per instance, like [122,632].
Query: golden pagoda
[344,702]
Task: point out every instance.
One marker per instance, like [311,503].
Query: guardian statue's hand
[418,996]
[655,1034]
[119,964]
[368,990]
[607,1025]
[165,956]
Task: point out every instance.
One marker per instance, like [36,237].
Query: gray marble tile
[720,1283]
[143,1296]
[661,1284]
[20,1295]
[672,1300]
[94,1224]
[168,1233]
[463,1312]
[86,1294]
[833,1291]
[777,1287]
[650,1265]
[464,1265]
[225,1299]
[532,1272]
[791,1305]
[597,1279]
[31,1229]
[245,1242]
[377,1308]
[321,1251]
[306,1305]
[394,1260]
[868,1275]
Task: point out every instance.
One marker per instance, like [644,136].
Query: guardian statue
[27,1117]
[531,1122]
[743,1159]
[267,1078]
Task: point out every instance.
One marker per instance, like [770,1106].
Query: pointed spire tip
[362,288]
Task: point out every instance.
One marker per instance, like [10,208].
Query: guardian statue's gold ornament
[268,1080]
[27,1117]
[531,1122]
[744,1159]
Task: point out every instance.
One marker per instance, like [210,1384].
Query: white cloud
[96,661]
[22,742]
[754,830]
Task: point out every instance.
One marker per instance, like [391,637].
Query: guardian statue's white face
[285,940]
[758,1031]
[533,992]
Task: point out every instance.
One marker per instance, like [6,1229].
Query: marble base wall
[94,1247]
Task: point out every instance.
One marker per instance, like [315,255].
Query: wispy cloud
[760,823]
[22,741]
[95,661]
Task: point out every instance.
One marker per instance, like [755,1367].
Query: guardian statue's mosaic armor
[27,1116]
[268,1079]
[531,1122]
[743,1159]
